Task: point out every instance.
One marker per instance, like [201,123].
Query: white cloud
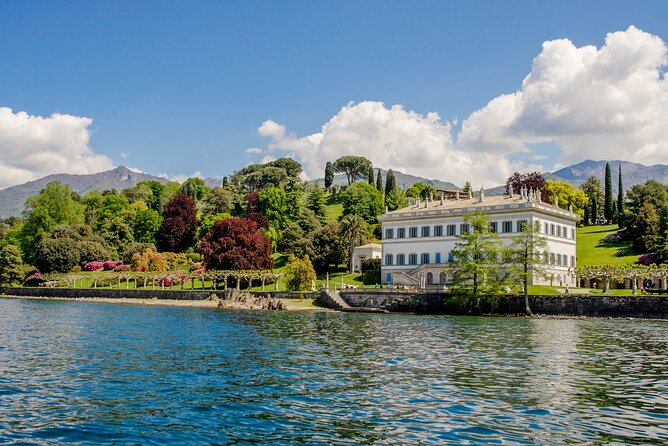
[253,151]
[180,178]
[34,146]
[390,137]
[600,103]
[125,155]
[605,103]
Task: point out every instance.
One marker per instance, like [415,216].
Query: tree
[594,193]
[329,175]
[179,226]
[208,221]
[11,266]
[274,173]
[295,241]
[567,195]
[299,273]
[476,272]
[194,188]
[274,205]
[362,199]
[353,231]
[396,199]
[332,247]
[531,180]
[146,225]
[53,205]
[379,182]
[117,232]
[390,182]
[354,167]
[369,175]
[316,203]
[607,209]
[57,254]
[526,249]
[236,244]
[421,190]
[620,199]
[219,200]
[468,189]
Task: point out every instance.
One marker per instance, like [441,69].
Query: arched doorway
[430,279]
[443,278]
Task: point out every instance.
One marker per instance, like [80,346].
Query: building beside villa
[366,252]
[418,240]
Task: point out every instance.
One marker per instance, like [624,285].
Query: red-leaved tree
[531,180]
[236,244]
[179,226]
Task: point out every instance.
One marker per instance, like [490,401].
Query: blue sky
[179,87]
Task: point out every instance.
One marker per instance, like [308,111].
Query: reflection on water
[91,373]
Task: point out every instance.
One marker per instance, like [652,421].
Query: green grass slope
[592,250]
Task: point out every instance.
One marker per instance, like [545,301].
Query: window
[494,227]
[425,231]
[552,259]
[388,278]
[412,232]
[547,229]
[389,233]
[573,233]
[558,231]
[452,230]
[438,257]
[551,229]
[564,232]
[401,233]
[401,259]
[558,259]
[572,261]
[424,258]
[521,225]
[464,228]
[438,231]
[451,257]
[388,259]
[412,259]
[507,226]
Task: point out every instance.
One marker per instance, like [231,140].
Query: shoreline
[172,303]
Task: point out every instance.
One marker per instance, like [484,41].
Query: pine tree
[329,175]
[370,177]
[607,209]
[390,182]
[379,182]
[620,200]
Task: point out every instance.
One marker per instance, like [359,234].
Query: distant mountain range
[12,198]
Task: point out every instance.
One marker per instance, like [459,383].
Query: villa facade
[418,240]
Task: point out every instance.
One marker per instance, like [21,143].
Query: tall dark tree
[329,175]
[390,182]
[225,181]
[236,244]
[594,210]
[607,203]
[179,227]
[379,182]
[369,175]
[620,199]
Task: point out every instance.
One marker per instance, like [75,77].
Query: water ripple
[89,374]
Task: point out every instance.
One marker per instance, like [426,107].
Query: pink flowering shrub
[122,268]
[33,279]
[93,266]
[165,281]
[109,265]
[647,259]
[614,237]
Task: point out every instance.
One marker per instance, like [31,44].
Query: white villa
[418,240]
[365,252]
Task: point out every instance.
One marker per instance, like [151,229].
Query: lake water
[93,373]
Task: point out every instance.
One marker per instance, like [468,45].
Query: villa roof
[370,245]
[499,203]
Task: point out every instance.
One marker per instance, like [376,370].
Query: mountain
[404,180]
[632,173]
[12,198]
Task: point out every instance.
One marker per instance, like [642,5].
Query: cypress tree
[586,215]
[225,181]
[329,175]
[370,177]
[607,209]
[620,200]
[594,210]
[379,182]
[390,182]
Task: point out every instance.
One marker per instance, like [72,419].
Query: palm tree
[353,231]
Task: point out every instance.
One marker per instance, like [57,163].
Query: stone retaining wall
[640,306]
[137,294]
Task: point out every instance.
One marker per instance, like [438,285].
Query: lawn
[592,250]
[333,209]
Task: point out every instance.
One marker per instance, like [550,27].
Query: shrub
[90,251]
[299,273]
[371,277]
[165,281]
[33,279]
[60,255]
[613,237]
[135,247]
[647,259]
[109,265]
[371,265]
[122,268]
[93,266]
